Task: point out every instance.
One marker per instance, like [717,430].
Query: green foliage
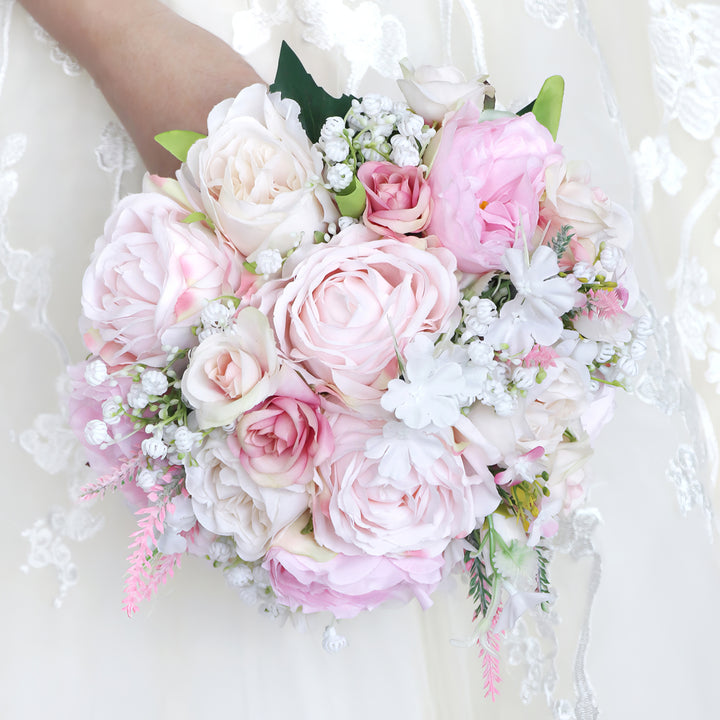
[178,142]
[547,106]
[351,201]
[561,241]
[480,591]
[316,105]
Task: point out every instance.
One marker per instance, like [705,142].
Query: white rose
[256,175]
[434,91]
[227,501]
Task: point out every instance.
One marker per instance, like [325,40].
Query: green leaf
[316,105]
[548,104]
[178,142]
[194,217]
[351,201]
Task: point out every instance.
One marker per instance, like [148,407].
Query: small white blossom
[215,315]
[336,149]
[268,261]
[332,127]
[96,372]
[584,271]
[185,439]
[404,151]
[339,176]
[604,353]
[610,257]
[373,104]
[137,398]
[628,366]
[332,642]
[220,551]
[345,221]
[146,479]
[410,125]
[239,577]
[524,377]
[371,155]
[112,411]
[154,382]
[481,352]
[505,405]
[96,432]
[154,447]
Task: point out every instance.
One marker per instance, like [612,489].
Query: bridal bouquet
[356,345]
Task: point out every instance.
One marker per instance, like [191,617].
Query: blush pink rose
[398,198]
[347,306]
[486,180]
[281,440]
[306,576]
[149,278]
[357,509]
[231,372]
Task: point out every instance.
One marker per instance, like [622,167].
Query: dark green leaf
[316,105]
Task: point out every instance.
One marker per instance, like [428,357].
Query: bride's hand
[157,71]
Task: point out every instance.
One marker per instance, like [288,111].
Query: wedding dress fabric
[634,630]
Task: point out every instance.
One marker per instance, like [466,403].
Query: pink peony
[149,278]
[398,198]
[487,179]
[305,575]
[357,509]
[350,304]
[286,436]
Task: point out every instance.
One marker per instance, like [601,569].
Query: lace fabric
[666,154]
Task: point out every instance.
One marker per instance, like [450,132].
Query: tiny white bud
[146,479]
[96,372]
[96,432]
[268,261]
[154,447]
[332,127]
[137,398]
[112,411]
[239,577]
[524,377]
[336,149]
[610,257]
[154,382]
[584,271]
[339,176]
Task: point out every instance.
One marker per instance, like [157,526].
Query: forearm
[156,70]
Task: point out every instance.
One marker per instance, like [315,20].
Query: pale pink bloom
[227,501]
[398,198]
[149,279]
[357,509]
[304,575]
[256,175]
[349,305]
[281,440]
[604,318]
[233,371]
[487,179]
[434,91]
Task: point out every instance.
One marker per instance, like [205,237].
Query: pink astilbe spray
[113,480]
[605,303]
[149,568]
[490,657]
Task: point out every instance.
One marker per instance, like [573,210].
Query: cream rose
[232,372]
[256,175]
[227,501]
[434,91]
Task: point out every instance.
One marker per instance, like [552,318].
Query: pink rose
[398,198]
[149,278]
[350,304]
[233,371]
[357,509]
[302,574]
[286,436]
[486,179]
